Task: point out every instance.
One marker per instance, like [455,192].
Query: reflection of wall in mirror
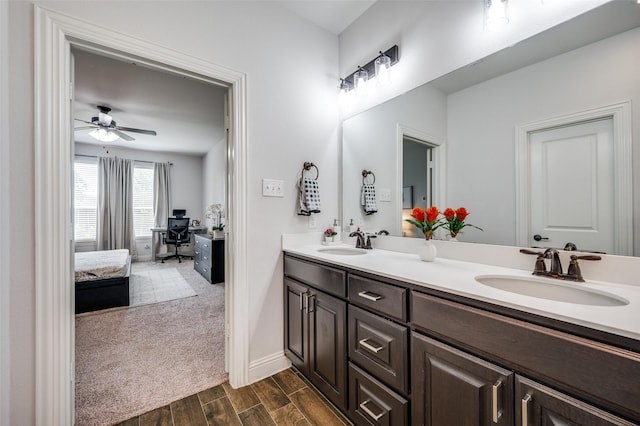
[482,118]
[370,142]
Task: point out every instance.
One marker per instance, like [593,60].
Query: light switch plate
[384,194]
[272,188]
[313,224]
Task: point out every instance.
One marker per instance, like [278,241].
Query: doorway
[141,356]
[55,35]
[421,165]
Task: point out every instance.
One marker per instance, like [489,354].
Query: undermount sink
[342,251]
[547,288]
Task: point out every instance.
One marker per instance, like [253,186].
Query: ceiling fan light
[103,135]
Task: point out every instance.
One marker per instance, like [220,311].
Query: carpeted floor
[130,361]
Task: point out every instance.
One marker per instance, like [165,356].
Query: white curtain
[161,194]
[115,205]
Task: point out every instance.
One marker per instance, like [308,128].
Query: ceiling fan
[105,128]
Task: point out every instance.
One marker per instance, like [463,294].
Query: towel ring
[307,166]
[366,173]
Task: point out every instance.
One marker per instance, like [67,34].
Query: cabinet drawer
[591,370]
[203,269]
[379,346]
[385,298]
[332,281]
[372,403]
[203,245]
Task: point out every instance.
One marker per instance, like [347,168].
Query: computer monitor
[179,213]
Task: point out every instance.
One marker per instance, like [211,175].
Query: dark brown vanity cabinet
[378,352]
[583,373]
[417,357]
[539,405]
[451,387]
[316,329]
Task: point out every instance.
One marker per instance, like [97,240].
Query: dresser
[208,259]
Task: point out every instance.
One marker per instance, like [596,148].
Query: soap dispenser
[338,230]
[352,226]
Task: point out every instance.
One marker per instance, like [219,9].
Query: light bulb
[383,70]
[360,81]
[496,14]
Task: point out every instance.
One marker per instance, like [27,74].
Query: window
[142,199]
[85,187]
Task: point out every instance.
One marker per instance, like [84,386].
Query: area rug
[131,361]
[157,286]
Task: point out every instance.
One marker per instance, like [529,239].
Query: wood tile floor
[285,398]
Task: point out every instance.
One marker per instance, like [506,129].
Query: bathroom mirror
[472,121]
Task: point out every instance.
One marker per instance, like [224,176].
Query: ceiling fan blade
[122,135]
[84,128]
[146,132]
[83,121]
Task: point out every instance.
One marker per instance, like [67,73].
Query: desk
[184,250]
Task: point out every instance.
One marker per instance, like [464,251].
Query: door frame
[622,164]
[55,34]
[439,154]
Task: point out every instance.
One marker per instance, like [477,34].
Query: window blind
[142,199]
[85,186]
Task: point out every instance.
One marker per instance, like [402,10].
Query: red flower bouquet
[455,220]
[426,220]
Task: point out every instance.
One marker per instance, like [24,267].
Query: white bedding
[96,265]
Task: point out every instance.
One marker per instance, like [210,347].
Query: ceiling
[186,114]
[332,15]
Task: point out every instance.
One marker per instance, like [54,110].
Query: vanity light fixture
[103,135]
[496,14]
[379,67]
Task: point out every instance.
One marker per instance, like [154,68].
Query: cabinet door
[296,324]
[539,405]
[451,387]
[327,346]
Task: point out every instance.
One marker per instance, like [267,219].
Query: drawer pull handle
[204,257]
[369,346]
[525,409]
[370,296]
[303,295]
[363,407]
[496,412]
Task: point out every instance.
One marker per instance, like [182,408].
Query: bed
[102,279]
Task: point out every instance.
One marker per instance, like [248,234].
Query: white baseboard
[268,366]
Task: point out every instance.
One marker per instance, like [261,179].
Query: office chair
[177,234]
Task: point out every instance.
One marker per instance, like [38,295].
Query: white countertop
[458,277]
